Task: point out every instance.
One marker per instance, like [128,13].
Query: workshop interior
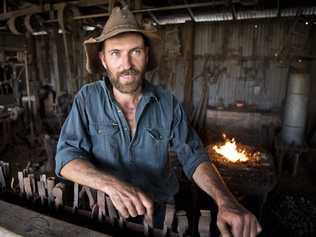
[244,72]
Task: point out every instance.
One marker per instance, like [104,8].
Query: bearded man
[118,133]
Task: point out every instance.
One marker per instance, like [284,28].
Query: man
[117,135]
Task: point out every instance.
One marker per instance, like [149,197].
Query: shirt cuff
[63,159]
[190,168]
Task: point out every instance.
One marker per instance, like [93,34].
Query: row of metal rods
[101,207]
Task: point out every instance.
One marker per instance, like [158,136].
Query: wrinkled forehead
[125,40]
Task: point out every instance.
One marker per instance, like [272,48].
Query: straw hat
[120,21]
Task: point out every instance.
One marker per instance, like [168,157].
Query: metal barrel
[295,112]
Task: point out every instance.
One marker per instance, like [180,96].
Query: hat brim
[92,47]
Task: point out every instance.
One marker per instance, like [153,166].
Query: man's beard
[129,87]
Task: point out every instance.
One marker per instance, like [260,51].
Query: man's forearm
[209,180]
[83,172]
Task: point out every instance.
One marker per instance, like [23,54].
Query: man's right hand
[130,201]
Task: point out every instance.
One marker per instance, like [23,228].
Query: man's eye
[115,53]
[136,51]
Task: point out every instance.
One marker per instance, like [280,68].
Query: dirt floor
[291,207]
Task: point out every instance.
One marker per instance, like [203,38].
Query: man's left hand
[234,220]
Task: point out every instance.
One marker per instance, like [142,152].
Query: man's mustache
[129,72]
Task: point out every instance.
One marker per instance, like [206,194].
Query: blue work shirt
[97,130]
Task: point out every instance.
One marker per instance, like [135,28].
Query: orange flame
[230,151]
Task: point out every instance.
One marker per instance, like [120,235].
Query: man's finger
[140,209]
[130,207]
[223,228]
[120,207]
[246,227]
[253,230]
[237,227]
[147,203]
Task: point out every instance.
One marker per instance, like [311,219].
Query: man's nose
[126,62]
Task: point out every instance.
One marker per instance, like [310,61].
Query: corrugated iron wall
[240,60]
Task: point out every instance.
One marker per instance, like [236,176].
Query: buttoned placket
[124,124]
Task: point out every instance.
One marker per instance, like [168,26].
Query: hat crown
[120,18]
[122,21]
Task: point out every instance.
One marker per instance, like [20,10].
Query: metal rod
[176,7]
[28,91]
[190,12]
[155,19]
[234,14]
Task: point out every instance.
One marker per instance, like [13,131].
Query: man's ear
[102,59]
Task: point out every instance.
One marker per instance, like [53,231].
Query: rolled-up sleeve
[74,142]
[186,143]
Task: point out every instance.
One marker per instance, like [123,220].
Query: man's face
[125,57]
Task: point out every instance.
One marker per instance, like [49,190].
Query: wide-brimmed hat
[121,21]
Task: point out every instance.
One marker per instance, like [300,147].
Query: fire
[230,151]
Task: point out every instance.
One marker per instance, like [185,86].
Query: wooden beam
[91,3]
[188,49]
[22,221]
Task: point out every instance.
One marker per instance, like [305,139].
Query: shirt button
[99,131]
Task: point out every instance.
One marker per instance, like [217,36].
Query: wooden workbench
[24,222]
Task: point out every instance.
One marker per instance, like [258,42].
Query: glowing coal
[235,152]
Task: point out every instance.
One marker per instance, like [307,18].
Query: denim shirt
[97,130]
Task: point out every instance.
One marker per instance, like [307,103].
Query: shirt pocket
[156,145]
[103,129]
[158,135]
[104,137]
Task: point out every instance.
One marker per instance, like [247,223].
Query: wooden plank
[6,233]
[29,223]
[91,3]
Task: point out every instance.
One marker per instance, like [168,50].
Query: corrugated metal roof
[288,12]
[240,15]
[177,18]
[219,16]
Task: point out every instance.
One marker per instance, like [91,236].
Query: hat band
[123,26]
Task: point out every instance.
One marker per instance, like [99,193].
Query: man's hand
[130,201]
[234,220]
